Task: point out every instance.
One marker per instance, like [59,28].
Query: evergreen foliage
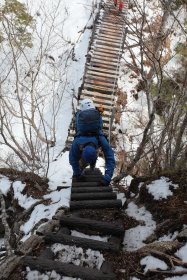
[178,3]
[181,49]
[16,24]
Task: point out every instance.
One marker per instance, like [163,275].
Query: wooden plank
[99,88]
[96,82]
[118,24]
[90,189]
[80,242]
[96,204]
[102,65]
[93,196]
[85,184]
[98,94]
[109,31]
[104,57]
[75,222]
[103,70]
[91,179]
[100,85]
[108,62]
[112,29]
[94,73]
[108,37]
[105,51]
[112,24]
[100,78]
[66,269]
[106,54]
[107,43]
[107,48]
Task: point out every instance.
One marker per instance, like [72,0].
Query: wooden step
[102,69]
[105,42]
[96,81]
[105,58]
[98,94]
[105,49]
[105,61]
[110,25]
[85,184]
[100,74]
[107,39]
[96,204]
[80,242]
[118,24]
[102,64]
[97,88]
[110,31]
[43,264]
[91,177]
[97,46]
[74,222]
[109,36]
[105,54]
[93,196]
[75,190]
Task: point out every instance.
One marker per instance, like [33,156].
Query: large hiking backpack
[88,122]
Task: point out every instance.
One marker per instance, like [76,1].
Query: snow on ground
[134,237]
[5,185]
[160,188]
[78,256]
[153,263]
[36,275]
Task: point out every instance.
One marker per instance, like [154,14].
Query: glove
[79,178]
[104,182]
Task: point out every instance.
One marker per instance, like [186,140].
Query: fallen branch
[167,272]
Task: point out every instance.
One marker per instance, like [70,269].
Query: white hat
[86,104]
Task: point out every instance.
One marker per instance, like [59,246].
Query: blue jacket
[75,154]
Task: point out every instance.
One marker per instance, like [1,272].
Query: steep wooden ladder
[102,66]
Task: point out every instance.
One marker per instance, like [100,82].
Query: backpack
[88,122]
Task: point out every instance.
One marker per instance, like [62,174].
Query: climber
[84,152]
[120,4]
[88,139]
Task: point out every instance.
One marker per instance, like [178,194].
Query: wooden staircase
[100,199]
